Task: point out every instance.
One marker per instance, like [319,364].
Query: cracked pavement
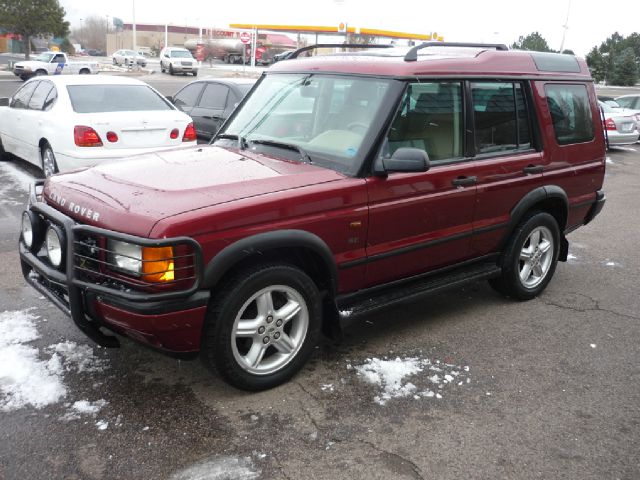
[554,385]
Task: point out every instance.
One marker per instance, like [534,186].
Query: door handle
[464,181]
[533,169]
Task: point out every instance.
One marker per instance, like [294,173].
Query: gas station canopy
[340,29]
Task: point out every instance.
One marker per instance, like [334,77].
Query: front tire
[530,258]
[262,327]
[49,164]
[171,72]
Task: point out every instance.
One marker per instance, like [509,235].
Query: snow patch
[345,313]
[593,345]
[83,407]
[609,161]
[392,377]
[78,357]
[571,256]
[102,424]
[219,468]
[12,181]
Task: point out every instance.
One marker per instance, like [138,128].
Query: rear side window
[430,119]
[115,98]
[40,95]
[570,113]
[500,116]
[214,96]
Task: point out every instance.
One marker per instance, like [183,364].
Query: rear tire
[40,73]
[85,71]
[49,164]
[171,72]
[530,258]
[262,327]
[195,73]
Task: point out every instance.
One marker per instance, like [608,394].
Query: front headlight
[54,243]
[125,256]
[153,264]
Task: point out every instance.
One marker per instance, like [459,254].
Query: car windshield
[180,54]
[115,98]
[321,118]
[44,57]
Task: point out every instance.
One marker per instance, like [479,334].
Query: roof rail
[412,55]
[334,45]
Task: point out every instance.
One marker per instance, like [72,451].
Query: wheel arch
[551,199]
[297,247]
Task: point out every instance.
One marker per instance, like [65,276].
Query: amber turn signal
[158,264]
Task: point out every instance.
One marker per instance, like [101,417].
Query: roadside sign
[245,37]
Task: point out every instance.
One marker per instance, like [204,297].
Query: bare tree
[92,32]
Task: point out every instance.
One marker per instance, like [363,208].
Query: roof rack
[334,45]
[412,55]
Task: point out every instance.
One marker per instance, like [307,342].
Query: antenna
[565,27]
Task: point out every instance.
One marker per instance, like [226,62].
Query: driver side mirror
[4,101]
[404,160]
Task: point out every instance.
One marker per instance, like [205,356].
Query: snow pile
[13,181]
[428,379]
[28,379]
[24,378]
[219,468]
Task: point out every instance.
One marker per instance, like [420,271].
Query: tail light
[609,124]
[86,137]
[174,134]
[189,134]
[112,137]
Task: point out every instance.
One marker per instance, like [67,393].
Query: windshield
[115,98]
[44,57]
[180,54]
[326,116]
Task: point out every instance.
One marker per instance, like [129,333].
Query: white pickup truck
[53,63]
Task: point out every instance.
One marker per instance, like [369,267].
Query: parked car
[177,60]
[66,122]
[209,102]
[96,53]
[53,63]
[629,101]
[126,57]
[620,127]
[433,169]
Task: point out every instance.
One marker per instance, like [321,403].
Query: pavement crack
[417,473]
[309,416]
[595,308]
[308,392]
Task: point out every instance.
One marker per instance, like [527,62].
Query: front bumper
[185,68]
[169,321]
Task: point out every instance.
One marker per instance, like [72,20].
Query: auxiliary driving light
[27,230]
[54,244]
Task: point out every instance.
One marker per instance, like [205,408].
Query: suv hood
[131,196]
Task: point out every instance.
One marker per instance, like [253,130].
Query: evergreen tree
[625,68]
[30,18]
[534,42]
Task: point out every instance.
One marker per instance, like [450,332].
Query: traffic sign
[245,37]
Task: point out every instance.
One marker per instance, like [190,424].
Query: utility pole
[565,27]
[135,40]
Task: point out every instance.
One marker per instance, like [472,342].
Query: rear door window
[570,113]
[214,96]
[39,96]
[500,116]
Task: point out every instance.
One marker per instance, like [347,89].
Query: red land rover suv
[341,184]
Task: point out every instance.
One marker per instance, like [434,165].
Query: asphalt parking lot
[544,389]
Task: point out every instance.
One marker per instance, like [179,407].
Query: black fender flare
[229,256]
[528,201]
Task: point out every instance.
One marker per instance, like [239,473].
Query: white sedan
[126,57]
[66,122]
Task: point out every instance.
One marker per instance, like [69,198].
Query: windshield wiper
[242,142]
[287,146]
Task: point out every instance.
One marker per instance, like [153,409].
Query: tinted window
[180,54]
[51,99]
[214,96]
[59,59]
[570,113]
[23,95]
[500,117]
[115,98]
[430,118]
[40,95]
[625,101]
[188,96]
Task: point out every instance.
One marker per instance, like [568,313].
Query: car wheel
[40,73]
[84,71]
[195,73]
[49,164]
[530,258]
[262,327]
[114,61]
[3,153]
[171,69]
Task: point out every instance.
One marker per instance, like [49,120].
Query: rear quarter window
[570,113]
[115,98]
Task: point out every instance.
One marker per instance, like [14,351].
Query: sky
[494,21]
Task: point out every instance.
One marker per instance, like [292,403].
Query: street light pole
[135,40]
[81,34]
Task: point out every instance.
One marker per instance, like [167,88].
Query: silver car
[620,127]
[178,60]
